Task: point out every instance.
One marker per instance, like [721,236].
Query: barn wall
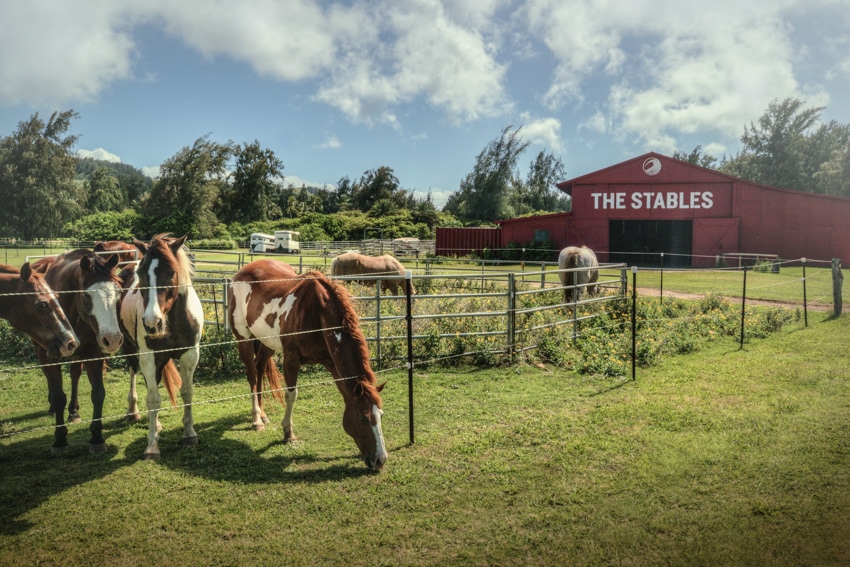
[463,241]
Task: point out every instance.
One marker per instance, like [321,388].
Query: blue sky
[421,86]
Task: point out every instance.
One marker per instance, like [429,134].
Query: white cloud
[331,143]
[674,67]
[401,60]
[542,132]
[151,171]
[73,53]
[99,154]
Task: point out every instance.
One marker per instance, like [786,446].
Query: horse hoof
[133,417]
[74,418]
[189,442]
[151,457]
[95,448]
[59,450]
[259,427]
[289,438]
[266,420]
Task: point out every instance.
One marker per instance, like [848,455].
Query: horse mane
[351,325]
[179,262]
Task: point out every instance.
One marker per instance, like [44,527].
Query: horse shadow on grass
[220,457]
[30,474]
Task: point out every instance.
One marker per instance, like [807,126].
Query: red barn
[632,211]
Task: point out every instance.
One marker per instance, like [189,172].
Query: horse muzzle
[375,463]
[110,342]
[63,347]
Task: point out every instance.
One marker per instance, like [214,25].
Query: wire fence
[484,315]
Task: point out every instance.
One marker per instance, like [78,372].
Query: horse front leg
[291,366]
[133,414]
[94,370]
[154,400]
[53,373]
[247,354]
[188,363]
[76,370]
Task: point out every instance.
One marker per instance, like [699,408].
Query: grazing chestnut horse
[162,319]
[88,293]
[356,264]
[30,306]
[125,251]
[310,319]
[577,280]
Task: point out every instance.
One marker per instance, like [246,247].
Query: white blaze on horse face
[104,308]
[338,336]
[153,314]
[380,448]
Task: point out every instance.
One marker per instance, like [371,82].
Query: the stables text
[653,200]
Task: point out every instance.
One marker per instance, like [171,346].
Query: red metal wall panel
[463,241]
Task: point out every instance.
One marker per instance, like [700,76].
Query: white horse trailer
[261,242]
[286,241]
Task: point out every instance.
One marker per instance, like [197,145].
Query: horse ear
[111,261]
[178,243]
[380,387]
[26,271]
[141,246]
[85,263]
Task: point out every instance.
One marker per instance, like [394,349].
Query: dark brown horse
[162,319]
[310,319]
[30,306]
[88,292]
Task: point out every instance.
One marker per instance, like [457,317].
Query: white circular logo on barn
[651,166]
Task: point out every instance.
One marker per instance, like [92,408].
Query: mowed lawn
[723,457]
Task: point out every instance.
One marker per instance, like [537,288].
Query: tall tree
[253,192]
[182,200]
[376,185]
[37,187]
[105,192]
[789,148]
[696,157]
[539,192]
[484,194]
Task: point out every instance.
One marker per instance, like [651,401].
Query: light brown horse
[583,271]
[89,293]
[162,319]
[310,319]
[356,264]
[125,251]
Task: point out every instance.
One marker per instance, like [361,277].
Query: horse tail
[171,380]
[273,377]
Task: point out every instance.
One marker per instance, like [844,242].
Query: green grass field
[724,457]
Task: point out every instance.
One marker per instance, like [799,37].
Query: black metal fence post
[634,321]
[805,306]
[408,277]
[743,307]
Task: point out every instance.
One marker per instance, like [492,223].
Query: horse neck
[8,287]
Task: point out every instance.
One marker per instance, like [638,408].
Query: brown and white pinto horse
[162,319]
[583,271]
[310,319]
[88,292]
[30,306]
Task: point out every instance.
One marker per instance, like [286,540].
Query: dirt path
[811,305]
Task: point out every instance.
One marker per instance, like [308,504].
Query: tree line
[228,190]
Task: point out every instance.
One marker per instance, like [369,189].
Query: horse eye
[364,419]
[42,305]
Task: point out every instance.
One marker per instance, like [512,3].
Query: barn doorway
[640,242]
